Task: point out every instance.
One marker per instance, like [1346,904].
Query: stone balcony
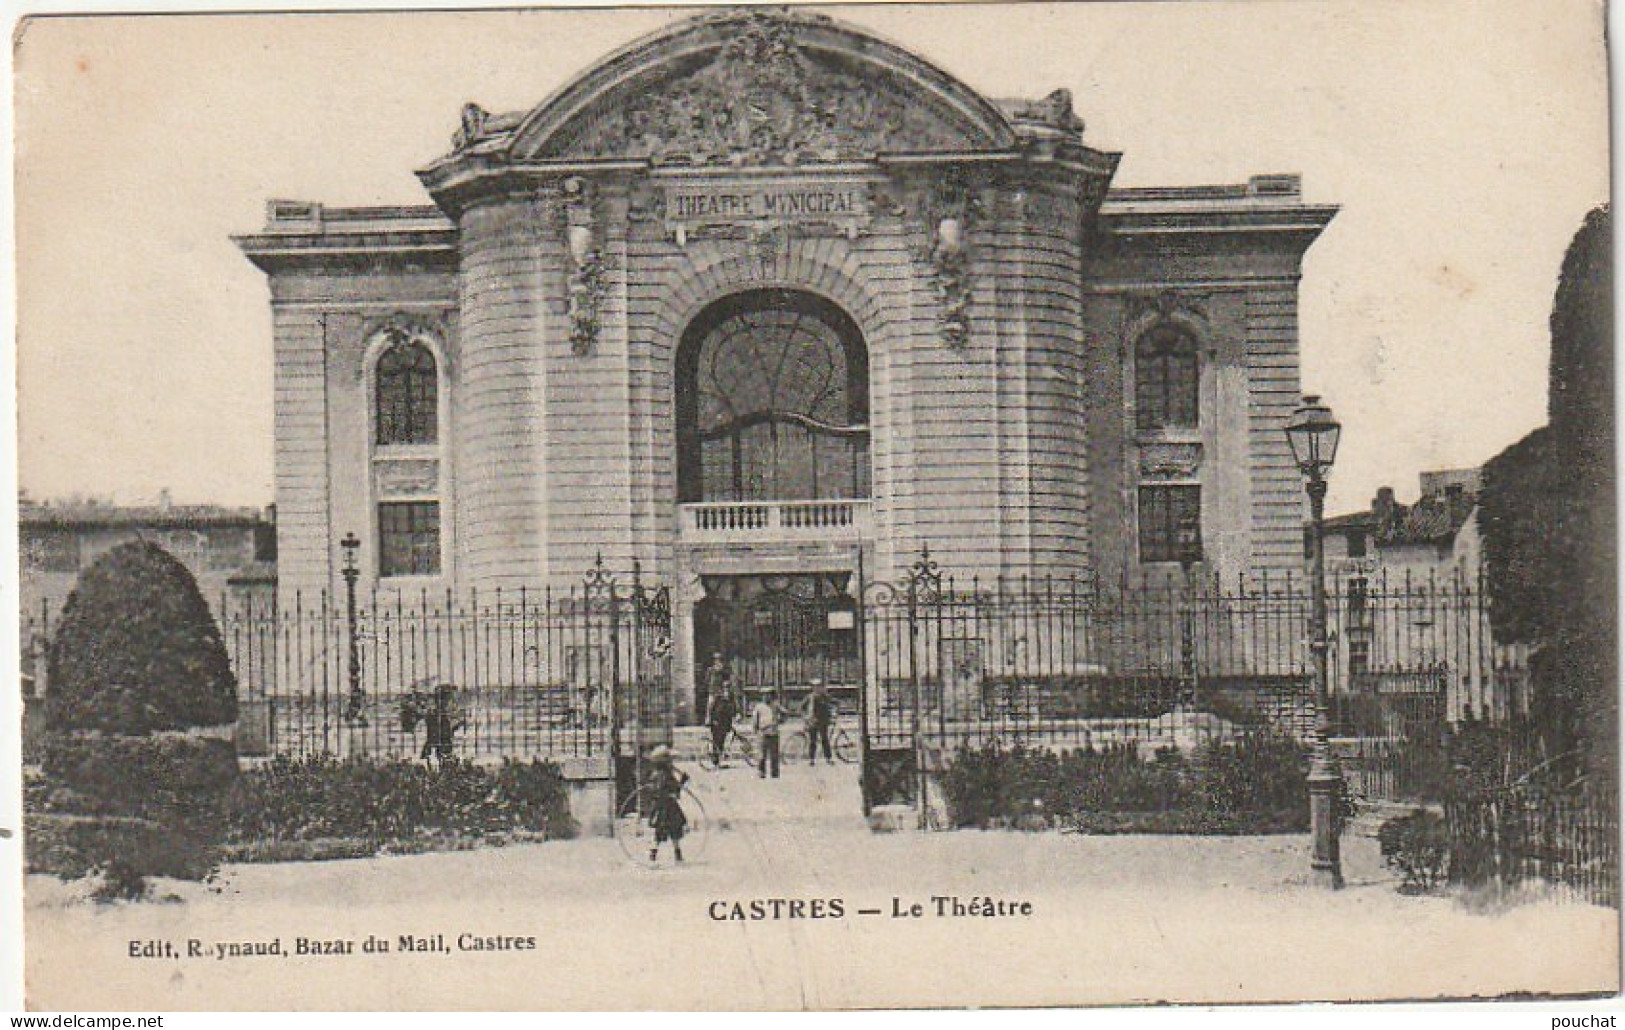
[723,522]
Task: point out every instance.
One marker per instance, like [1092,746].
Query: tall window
[1170,523]
[772,401]
[409,538]
[406,402]
[1165,380]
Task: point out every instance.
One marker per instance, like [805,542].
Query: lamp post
[1313,433]
[352,572]
[1190,546]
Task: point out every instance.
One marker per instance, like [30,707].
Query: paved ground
[1114,919]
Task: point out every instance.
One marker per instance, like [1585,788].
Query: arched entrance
[772,422]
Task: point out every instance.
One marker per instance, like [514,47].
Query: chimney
[1382,507]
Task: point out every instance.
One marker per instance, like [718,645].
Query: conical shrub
[137,650]
[138,754]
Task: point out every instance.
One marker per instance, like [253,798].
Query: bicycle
[636,836]
[738,745]
[798,745]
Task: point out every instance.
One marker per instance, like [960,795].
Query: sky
[1464,142]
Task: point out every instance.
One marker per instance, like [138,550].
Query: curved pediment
[751,88]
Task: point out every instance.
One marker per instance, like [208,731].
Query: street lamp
[1312,433]
[1190,550]
[352,572]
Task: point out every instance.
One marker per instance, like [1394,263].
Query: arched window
[1166,380]
[772,401]
[406,388]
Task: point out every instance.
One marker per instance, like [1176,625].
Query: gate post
[923,576]
[862,630]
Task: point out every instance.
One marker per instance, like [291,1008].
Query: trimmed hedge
[124,851]
[387,804]
[137,650]
[1256,784]
[171,776]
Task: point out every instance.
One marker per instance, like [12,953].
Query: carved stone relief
[587,280]
[949,209]
[406,477]
[1170,460]
[761,100]
[411,323]
[1055,111]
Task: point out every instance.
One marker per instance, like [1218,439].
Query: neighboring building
[59,540]
[1408,610]
[761,303]
[227,550]
[1437,536]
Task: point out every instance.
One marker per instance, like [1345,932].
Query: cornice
[276,251]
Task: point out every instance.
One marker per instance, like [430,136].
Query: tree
[1520,507]
[1549,514]
[138,759]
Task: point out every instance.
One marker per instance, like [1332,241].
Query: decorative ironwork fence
[579,673]
[559,674]
[1567,839]
[1175,661]
[1165,661]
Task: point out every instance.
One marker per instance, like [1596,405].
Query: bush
[137,667]
[188,778]
[1259,781]
[1418,847]
[137,650]
[123,851]
[390,803]
[1253,785]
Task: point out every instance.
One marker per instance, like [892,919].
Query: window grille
[1170,523]
[409,538]
[406,401]
[1165,380]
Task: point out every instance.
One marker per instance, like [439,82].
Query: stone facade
[1000,288]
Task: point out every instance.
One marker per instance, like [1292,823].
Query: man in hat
[820,716]
[441,724]
[720,713]
[719,679]
[666,816]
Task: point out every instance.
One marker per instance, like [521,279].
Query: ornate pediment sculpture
[761,99]
[1054,112]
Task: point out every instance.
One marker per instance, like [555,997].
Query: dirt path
[1113,919]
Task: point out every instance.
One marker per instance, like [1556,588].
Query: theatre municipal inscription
[689,207]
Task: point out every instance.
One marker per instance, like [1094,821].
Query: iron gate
[778,632]
[645,707]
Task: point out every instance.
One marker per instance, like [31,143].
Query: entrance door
[778,632]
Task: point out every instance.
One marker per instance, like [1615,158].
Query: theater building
[761,303]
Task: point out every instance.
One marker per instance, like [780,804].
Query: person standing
[719,679]
[720,712]
[441,724]
[765,719]
[820,715]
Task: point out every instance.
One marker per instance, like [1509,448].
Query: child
[666,810]
[765,719]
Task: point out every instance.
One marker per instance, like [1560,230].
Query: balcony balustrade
[744,521]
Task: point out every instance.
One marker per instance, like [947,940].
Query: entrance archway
[772,427]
